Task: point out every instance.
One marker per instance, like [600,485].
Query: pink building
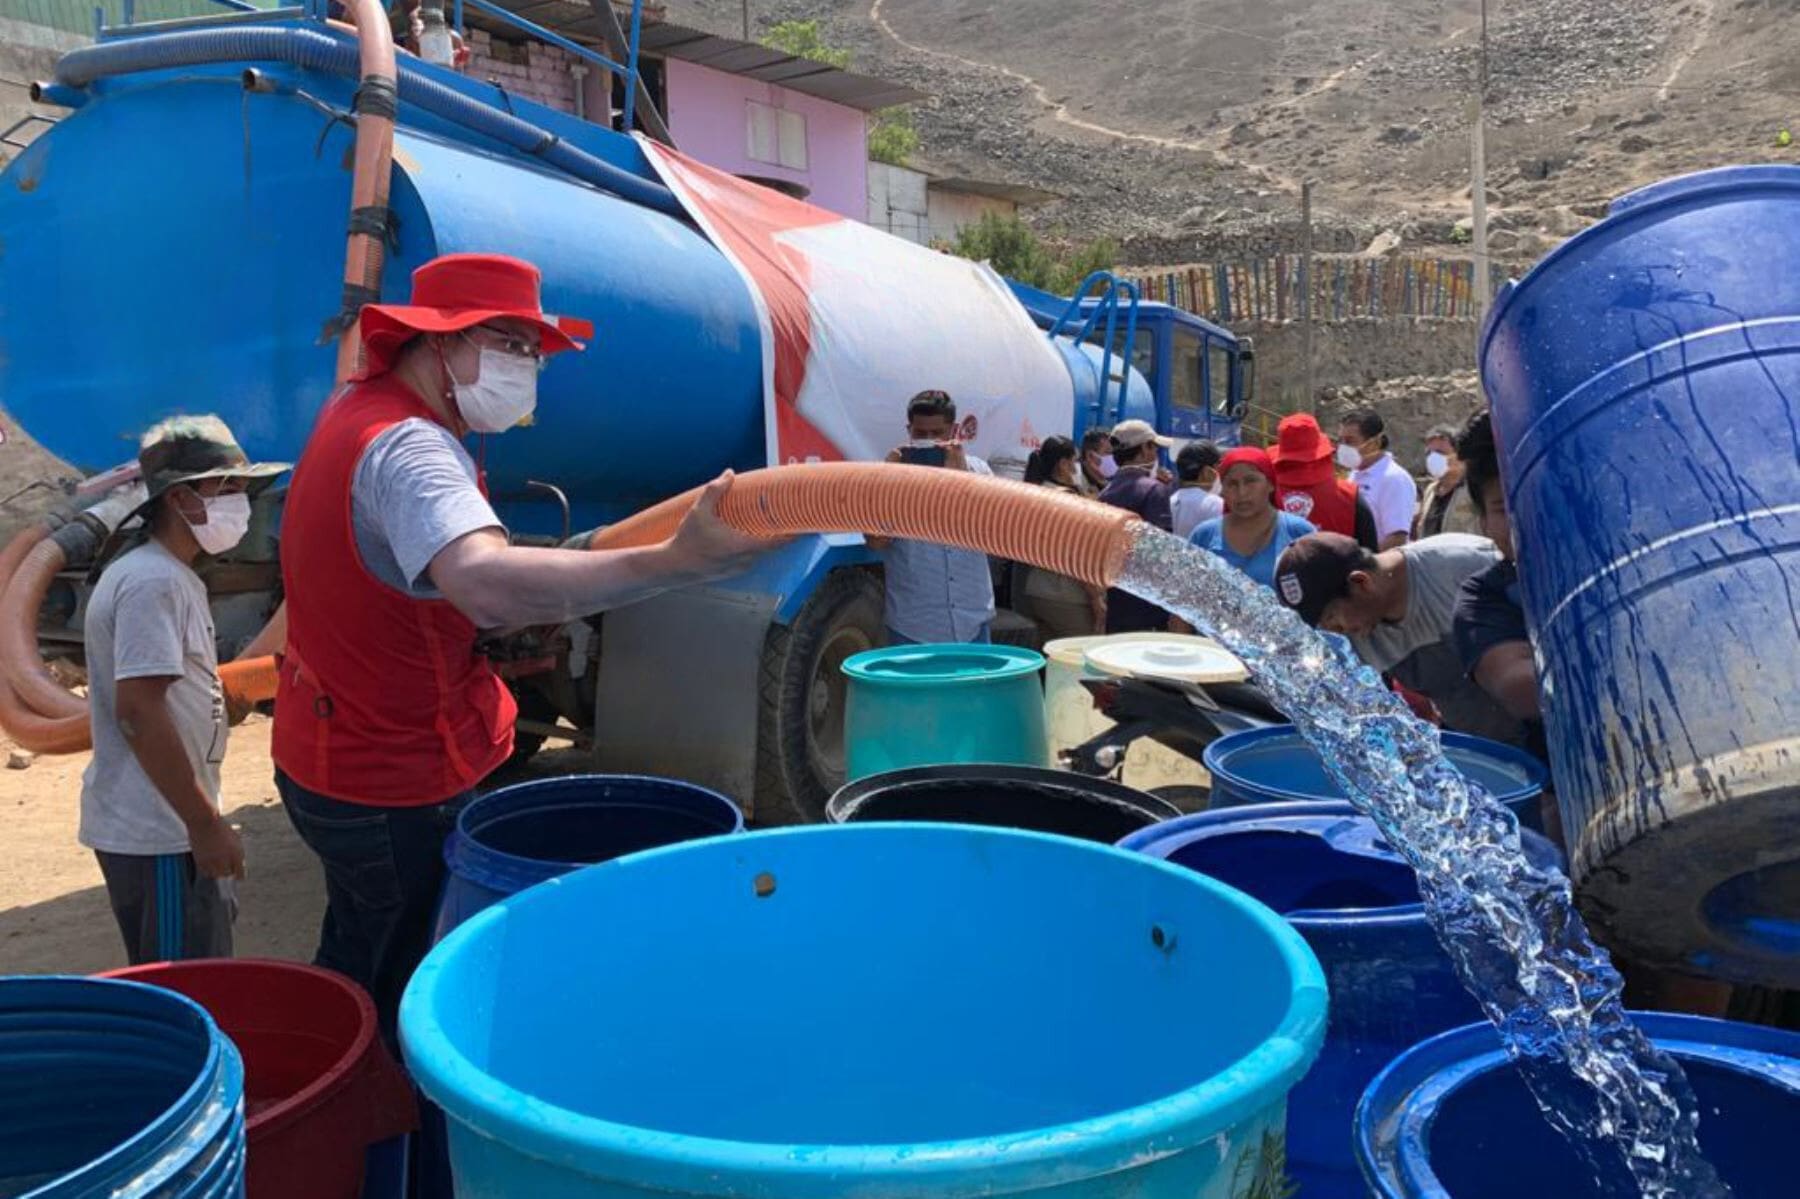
[787,122]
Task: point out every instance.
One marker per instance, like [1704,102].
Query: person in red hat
[1253,531]
[393,562]
[1308,487]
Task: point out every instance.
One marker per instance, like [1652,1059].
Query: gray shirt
[414,492]
[148,618]
[936,594]
[1419,651]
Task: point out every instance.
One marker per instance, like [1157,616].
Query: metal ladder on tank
[1103,315]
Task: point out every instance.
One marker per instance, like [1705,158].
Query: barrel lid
[1173,658]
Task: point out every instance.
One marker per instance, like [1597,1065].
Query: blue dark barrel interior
[1288,764]
[1043,801]
[77,1085]
[1490,1142]
[581,825]
[1299,872]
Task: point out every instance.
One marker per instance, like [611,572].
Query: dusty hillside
[1191,119]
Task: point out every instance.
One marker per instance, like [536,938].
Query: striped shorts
[165,910]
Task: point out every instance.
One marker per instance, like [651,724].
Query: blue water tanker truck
[175,243]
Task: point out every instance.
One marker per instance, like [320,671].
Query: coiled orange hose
[366,252]
[1053,530]
[35,732]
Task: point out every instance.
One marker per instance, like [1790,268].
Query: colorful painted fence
[1268,291]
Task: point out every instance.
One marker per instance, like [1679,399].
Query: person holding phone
[935,594]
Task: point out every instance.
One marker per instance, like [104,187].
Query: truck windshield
[1218,390]
[1184,371]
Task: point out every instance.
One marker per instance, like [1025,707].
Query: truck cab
[1201,375]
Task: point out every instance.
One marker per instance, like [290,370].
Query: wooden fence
[1268,291]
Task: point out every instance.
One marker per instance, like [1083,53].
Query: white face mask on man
[227,520]
[1108,467]
[504,391]
[1436,464]
[1348,456]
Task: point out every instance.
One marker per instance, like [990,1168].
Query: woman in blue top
[1253,531]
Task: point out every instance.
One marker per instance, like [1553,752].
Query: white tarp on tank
[855,322]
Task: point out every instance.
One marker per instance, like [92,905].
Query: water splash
[1511,930]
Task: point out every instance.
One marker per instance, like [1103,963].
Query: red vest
[1330,505]
[383,698]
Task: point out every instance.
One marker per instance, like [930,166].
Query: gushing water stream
[1510,929]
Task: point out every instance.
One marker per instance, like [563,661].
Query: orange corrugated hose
[1049,529]
[32,730]
[377,99]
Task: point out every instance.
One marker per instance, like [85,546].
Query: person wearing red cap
[1308,487]
[393,562]
[1253,531]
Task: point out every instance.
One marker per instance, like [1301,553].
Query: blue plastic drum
[1645,382]
[1356,902]
[888,1010]
[1450,1119]
[1276,765]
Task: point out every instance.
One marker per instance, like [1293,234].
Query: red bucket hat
[457,292]
[1249,455]
[1302,453]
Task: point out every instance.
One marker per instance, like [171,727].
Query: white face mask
[1108,468]
[1348,456]
[227,520]
[1436,464]
[503,394]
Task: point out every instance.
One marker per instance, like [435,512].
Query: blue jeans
[983,636]
[384,870]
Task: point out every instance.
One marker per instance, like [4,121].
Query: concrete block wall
[533,71]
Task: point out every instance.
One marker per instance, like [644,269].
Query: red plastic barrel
[319,1088]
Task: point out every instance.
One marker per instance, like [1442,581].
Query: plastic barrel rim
[86,1052]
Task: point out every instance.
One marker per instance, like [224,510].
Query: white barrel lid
[1173,657]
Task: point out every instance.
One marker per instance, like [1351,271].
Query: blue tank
[1643,380]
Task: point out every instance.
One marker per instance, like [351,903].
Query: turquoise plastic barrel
[111,1088]
[886,1011]
[934,705]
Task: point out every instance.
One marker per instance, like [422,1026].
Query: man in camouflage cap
[150,797]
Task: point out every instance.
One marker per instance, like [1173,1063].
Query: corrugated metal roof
[1018,193]
[663,39]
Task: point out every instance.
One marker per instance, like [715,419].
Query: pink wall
[708,119]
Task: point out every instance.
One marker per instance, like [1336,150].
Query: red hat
[457,292]
[1249,455]
[1302,451]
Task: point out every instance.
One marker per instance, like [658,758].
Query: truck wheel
[800,724]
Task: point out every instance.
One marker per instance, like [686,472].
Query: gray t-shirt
[1419,650]
[148,618]
[414,492]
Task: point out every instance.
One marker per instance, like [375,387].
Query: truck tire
[800,722]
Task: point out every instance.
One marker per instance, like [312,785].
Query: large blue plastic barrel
[520,836]
[932,705]
[1450,1119]
[116,1088]
[1356,902]
[1645,382]
[877,1009]
[1276,765]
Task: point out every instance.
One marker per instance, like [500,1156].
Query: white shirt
[148,618]
[1391,495]
[1189,507]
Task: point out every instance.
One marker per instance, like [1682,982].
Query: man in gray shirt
[150,796]
[1397,607]
[935,594]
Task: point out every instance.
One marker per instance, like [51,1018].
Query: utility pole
[746,20]
[1478,182]
[1306,289]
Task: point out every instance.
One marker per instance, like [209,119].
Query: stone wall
[539,72]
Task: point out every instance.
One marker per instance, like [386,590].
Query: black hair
[1195,457]
[931,403]
[1368,422]
[1097,439]
[1041,466]
[1480,458]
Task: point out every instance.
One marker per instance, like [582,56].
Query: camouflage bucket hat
[187,449]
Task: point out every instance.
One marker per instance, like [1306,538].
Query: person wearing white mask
[1198,495]
[1097,464]
[1391,493]
[387,715]
[150,795]
[1445,506]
